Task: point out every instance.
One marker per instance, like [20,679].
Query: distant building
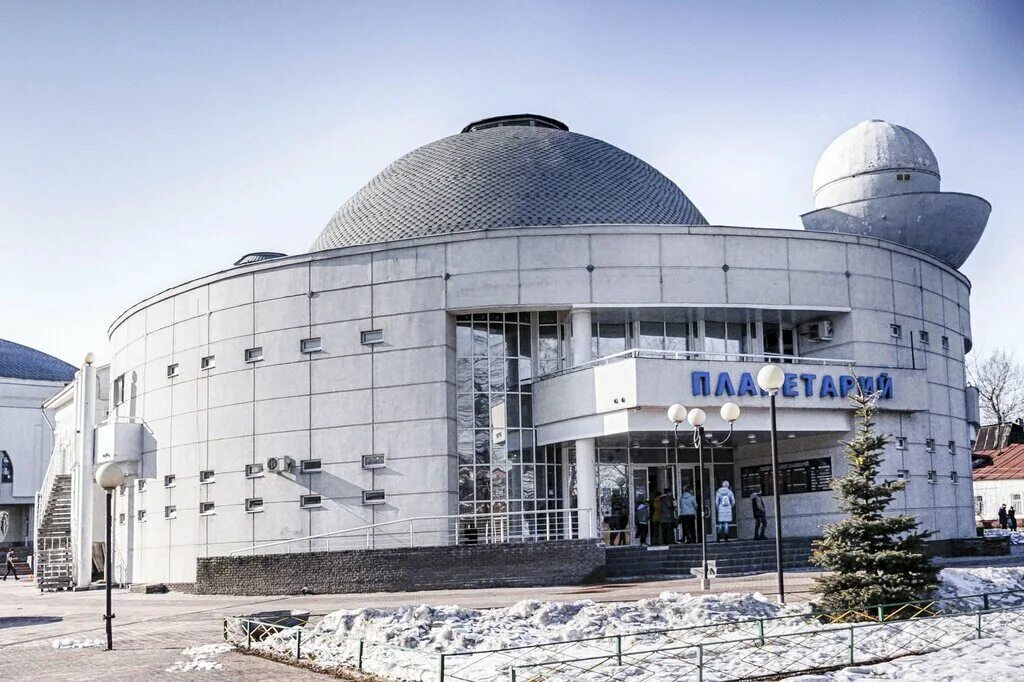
[492,330]
[27,378]
[999,471]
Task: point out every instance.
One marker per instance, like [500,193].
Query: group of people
[660,516]
[1007,518]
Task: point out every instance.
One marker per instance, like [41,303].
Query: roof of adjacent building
[1000,465]
[872,146]
[21,362]
[514,175]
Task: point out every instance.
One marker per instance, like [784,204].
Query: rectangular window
[206,476]
[169,481]
[904,475]
[373,461]
[172,370]
[140,485]
[896,331]
[122,489]
[121,518]
[1015,502]
[254,354]
[933,477]
[310,345]
[373,497]
[901,443]
[945,343]
[929,444]
[309,501]
[208,362]
[924,336]
[253,470]
[371,336]
[140,515]
[253,505]
[952,447]
[207,508]
[954,478]
[170,512]
[310,466]
[118,390]
[979,505]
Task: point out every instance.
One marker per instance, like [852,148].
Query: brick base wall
[569,562]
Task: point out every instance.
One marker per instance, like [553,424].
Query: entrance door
[648,483]
[698,484]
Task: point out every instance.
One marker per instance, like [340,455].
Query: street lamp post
[109,476]
[771,379]
[695,418]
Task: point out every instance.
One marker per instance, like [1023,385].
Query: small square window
[254,505]
[140,485]
[373,497]
[122,489]
[933,477]
[310,466]
[254,354]
[371,336]
[373,461]
[253,470]
[207,476]
[952,447]
[172,370]
[169,481]
[121,518]
[945,343]
[929,444]
[924,336]
[207,508]
[954,478]
[901,443]
[310,345]
[903,474]
[309,501]
[896,331]
[208,362]
[170,512]
[140,515]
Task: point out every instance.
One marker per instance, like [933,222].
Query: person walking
[656,519]
[688,515]
[1003,517]
[11,557]
[724,502]
[668,517]
[643,519]
[1011,519]
[760,516]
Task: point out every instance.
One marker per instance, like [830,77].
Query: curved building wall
[398,397]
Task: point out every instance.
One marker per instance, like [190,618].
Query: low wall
[568,562]
[957,547]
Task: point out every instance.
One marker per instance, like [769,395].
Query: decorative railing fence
[737,650]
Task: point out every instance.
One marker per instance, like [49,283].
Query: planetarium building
[482,343]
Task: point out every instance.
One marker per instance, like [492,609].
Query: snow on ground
[76,643]
[200,658]
[403,643]
[1016,537]
[983,659]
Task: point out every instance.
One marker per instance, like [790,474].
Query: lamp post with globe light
[109,476]
[771,379]
[696,418]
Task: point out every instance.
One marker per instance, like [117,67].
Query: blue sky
[144,144]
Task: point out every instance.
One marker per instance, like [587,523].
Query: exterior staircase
[53,557]
[736,557]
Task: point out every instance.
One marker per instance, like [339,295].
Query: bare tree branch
[1000,383]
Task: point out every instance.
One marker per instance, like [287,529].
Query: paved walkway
[151,631]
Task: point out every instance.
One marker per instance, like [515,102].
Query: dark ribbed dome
[21,362]
[509,176]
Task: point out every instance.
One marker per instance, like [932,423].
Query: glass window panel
[515,483]
[466,484]
[496,340]
[788,341]
[714,338]
[737,341]
[479,340]
[529,483]
[525,372]
[512,376]
[772,339]
[465,447]
[524,342]
[611,339]
[466,508]
[499,484]
[482,447]
[542,481]
[464,375]
[511,340]
[498,454]
[526,412]
[497,317]
[528,447]
[464,411]
[512,405]
[652,335]
[677,336]
[464,340]
[514,446]
[497,374]
[482,410]
[483,508]
[480,375]
[547,318]
[483,483]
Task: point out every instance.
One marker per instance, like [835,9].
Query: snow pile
[200,658]
[76,643]
[970,581]
[1016,537]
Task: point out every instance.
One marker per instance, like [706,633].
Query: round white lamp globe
[677,414]
[90,358]
[109,476]
[771,378]
[696,417]
[730,412]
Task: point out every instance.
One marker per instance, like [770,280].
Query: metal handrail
[654,353]
[500,535]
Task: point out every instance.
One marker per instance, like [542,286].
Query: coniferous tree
[874,558]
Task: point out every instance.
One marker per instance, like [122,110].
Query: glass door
[698,484]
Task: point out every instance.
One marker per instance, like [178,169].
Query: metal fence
[733,650]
